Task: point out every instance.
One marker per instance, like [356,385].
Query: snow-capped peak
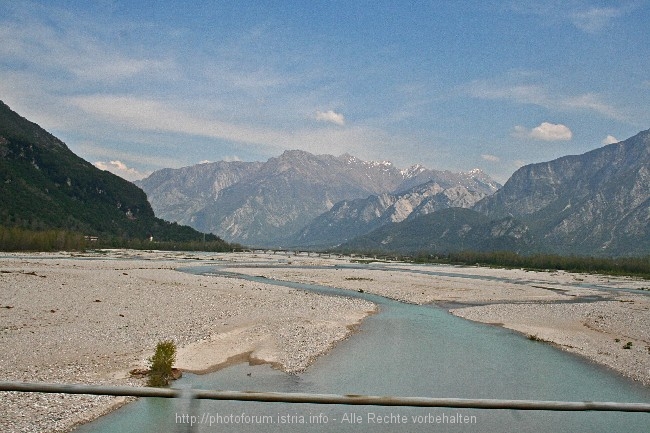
[413,171]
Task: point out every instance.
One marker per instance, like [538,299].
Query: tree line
[21,239]
[632,266]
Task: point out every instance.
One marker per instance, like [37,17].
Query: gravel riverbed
[602,318]
[92,318]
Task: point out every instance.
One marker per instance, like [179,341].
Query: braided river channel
[403,350]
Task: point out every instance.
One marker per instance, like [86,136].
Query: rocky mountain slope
[445,231]
[180,193]
[597,203]
[267,204]
[350,218]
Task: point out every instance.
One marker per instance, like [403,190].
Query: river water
[404,350]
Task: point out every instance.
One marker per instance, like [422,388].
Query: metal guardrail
[282,397]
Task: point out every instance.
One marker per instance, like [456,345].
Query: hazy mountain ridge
[180,193]
[351,218]
[269,203]
[286,192]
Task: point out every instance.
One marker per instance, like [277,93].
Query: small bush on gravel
[160,364]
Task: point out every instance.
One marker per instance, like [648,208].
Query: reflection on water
[405,350]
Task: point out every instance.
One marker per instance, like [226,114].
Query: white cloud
[521,93]
[594,19]
[108,70]
[151,115]
[490,158]
[90,150]
[120,169]
[79,52]
[610,139]
[331,117]
[545,131]
[591,20]
[590,101]
[551,132]
[519,163]
[539,95]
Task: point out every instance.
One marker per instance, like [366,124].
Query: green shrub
[160,364]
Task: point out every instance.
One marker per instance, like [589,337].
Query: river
[404,350]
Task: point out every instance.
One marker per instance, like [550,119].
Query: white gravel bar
[91,318]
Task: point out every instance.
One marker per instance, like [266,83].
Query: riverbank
[601,318]
[93,317]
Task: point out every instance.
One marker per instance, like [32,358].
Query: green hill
[45,186]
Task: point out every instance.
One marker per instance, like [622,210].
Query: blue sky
[138,86]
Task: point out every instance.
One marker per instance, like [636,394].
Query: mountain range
[596,204]
[303,200]
[44,185]
[348,219]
